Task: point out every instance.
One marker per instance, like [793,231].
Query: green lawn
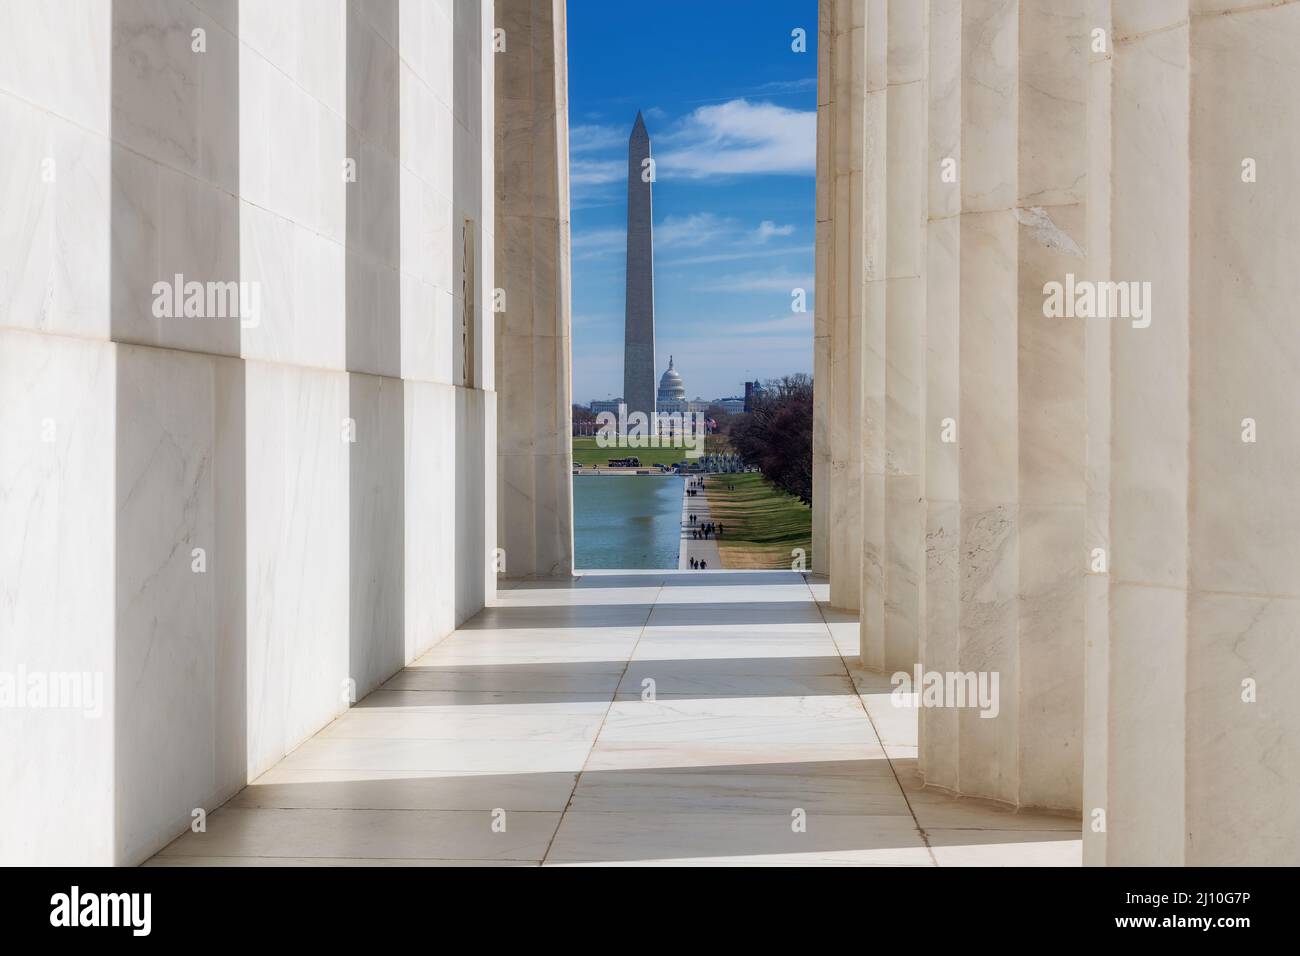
[586,451]
[761,524]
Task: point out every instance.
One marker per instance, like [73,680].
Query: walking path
[705,549]
[625,718]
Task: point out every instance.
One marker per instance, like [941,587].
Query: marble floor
[634,718]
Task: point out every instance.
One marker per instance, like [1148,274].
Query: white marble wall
[57,591]
[332,459]
[534,451]
[58,383]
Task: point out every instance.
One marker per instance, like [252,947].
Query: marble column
[1192,713]
[1052,402]
[1109,526]
[1097,377]
[842,236]
[1004,528]
[937,640]
[822,320]
[534,450]
[893,369]
[870,324]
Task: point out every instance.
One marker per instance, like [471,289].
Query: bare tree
[776,434]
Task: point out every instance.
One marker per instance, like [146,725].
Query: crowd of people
[708,529]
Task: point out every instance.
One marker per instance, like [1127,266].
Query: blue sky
[731,112]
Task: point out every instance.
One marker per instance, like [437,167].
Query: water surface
[622,521]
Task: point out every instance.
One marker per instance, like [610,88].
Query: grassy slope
[761,523]
[586,451]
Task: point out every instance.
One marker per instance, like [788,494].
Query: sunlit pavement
[625,718]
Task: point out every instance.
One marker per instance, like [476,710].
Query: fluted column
[842,237]
[1110,525]
[534,449]
[1097,372]
[1193,714]
[1006,556]
[822,320]
[1144,679]
[988,452]
[872,345]
[938,645]
[1052,403]
[893,561]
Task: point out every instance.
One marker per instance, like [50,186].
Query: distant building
[672,392]
[670,399]
[733,405]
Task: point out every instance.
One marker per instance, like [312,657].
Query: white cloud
[758,282]
[592,137]
[594,243]
[796,323]
[801,85]
[739,137]
[750,252]
[723,139]
[696,229]
[767,229]
[728,239]
[595,172]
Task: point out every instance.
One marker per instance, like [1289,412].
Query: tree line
[776,434]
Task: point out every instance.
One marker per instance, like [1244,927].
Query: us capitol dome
[671,399]
[672,390]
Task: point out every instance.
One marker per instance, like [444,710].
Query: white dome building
[672,391]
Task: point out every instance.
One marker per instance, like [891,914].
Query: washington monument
[639,324]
